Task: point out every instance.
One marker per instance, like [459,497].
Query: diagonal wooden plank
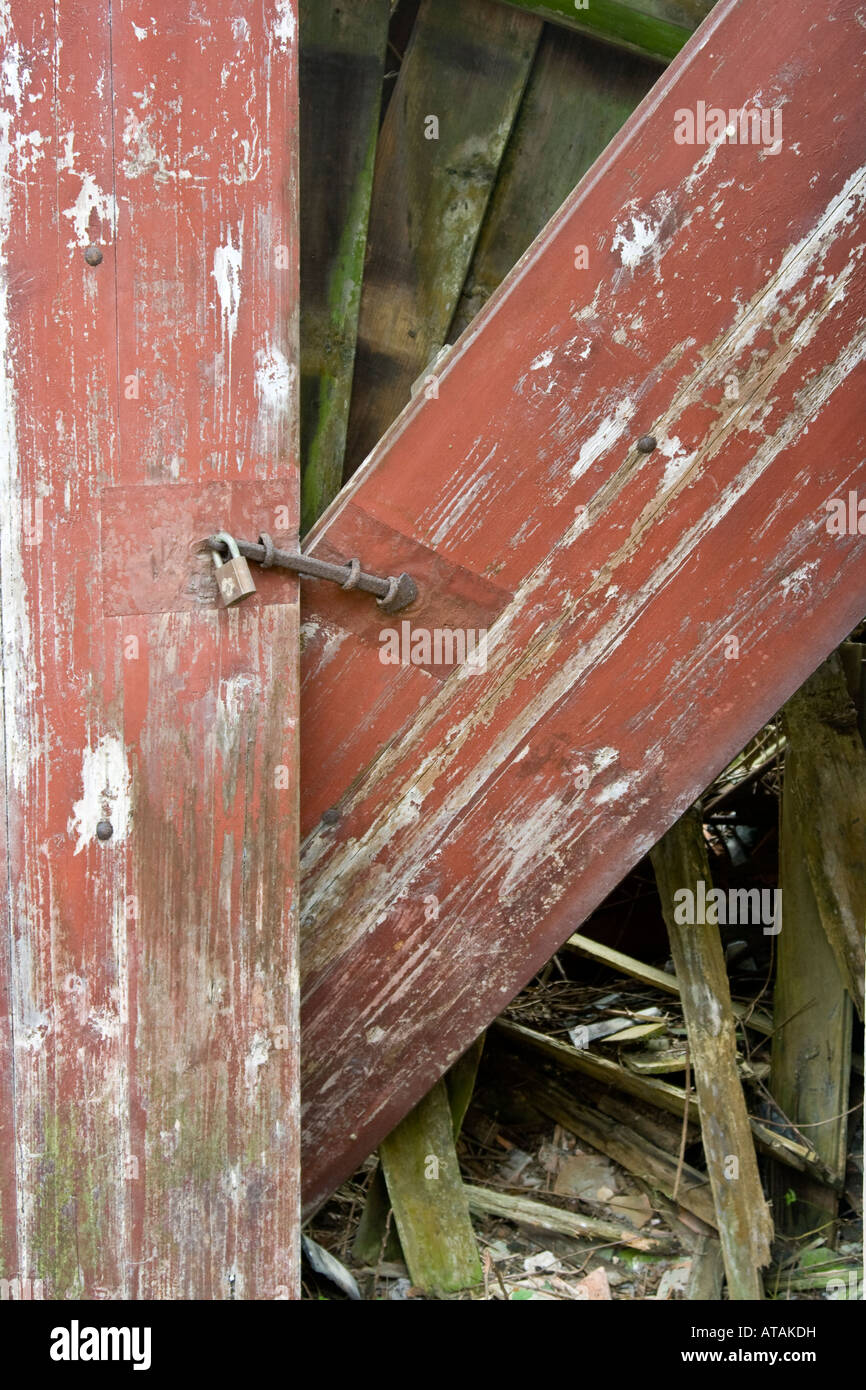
[150,735]
[440,145]
[647,612]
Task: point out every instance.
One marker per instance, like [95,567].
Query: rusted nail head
[331,817]
[646,443]
[104,830]
[92,255]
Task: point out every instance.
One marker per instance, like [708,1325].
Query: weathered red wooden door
[649,601]
[148,1081]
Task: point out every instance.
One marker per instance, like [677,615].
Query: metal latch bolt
[392,594]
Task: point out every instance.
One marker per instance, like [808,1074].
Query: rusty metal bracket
[392,594]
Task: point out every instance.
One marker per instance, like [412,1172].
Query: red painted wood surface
[483,817]
[148,1079]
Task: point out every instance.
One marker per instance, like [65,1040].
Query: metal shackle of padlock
[233,575]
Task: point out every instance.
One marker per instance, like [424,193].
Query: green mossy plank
[368,1243]
[429,1201]
[460,1082]
[578,96]
[342,57]
[744,1222]
[439,150]
[811,1056]
[828,793]
[656,28]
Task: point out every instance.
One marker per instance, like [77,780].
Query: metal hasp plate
[149,1123]
[647,609]
[392,594]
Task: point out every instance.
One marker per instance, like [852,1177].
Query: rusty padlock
[233,575]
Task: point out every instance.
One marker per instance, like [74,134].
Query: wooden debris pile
[689,1128]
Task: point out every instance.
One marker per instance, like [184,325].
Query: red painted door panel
[150,1125]
[645,611]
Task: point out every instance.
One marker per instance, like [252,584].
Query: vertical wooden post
[812,1011]
[342,61]
[745,1226]
[150,254]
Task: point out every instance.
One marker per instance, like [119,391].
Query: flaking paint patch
[285,25]
[227,263]
[106,793]
[274,378]
[604,437]
[632,248]
[91,198]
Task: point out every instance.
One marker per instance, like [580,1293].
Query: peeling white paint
[284,25]
[106,782]
[274,375]
[633,248]
[543,359]
[90,198]
[604,437]
[227,262]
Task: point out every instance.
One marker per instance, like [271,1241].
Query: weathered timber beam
[374,1239]
[555,1221]
[707,1272]
[575,101]
[426,1191]
[827,791]
[439,149]
[342,52]
[811,1056]
[745,1226]
[654,28]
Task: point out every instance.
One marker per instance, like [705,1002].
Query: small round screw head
[92,255]
[647,443]
[104,830]
[331,817]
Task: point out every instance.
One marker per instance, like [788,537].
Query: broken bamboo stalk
[654,28]
[829,762]
[556,1221]
[428,1198]
[743,1218]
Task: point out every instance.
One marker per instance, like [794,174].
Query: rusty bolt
[331,817]
[646,443]
[92,255]
[104,830]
